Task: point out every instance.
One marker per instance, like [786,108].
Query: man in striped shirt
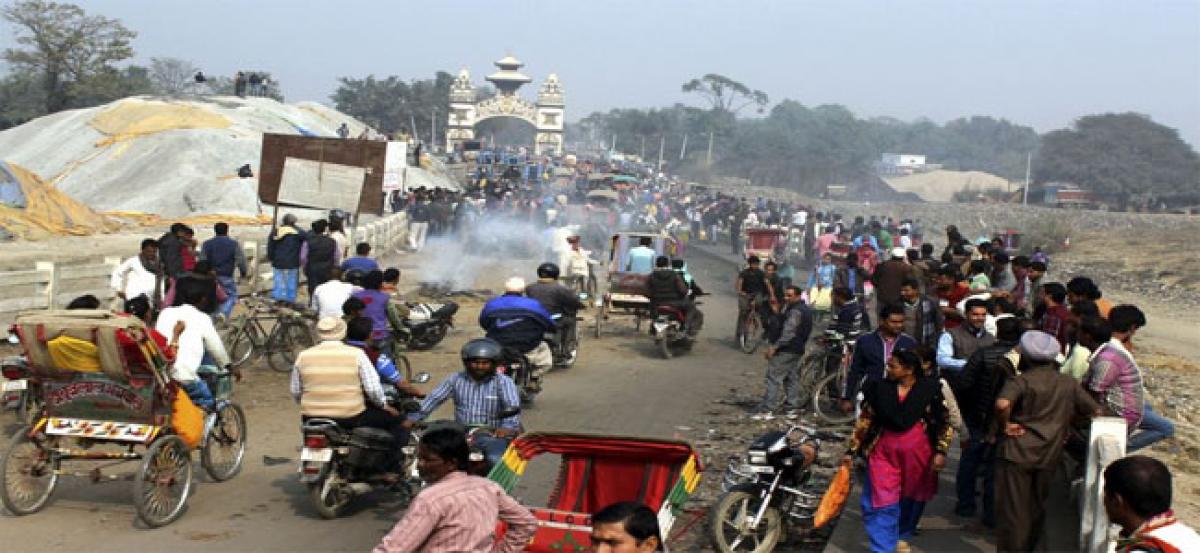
[482,397]
[457,511]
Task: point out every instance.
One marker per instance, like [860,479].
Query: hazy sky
[1041,63]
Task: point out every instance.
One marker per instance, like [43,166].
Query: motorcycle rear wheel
[727,517]
[331,504]
[429,339]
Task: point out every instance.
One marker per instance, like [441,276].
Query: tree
[172,76]
[64,44]
[1124,157]
[21,98]
[725,94]
[394,105]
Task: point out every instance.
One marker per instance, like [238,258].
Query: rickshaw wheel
[30,410]
[30,474]
[161,487]
[728,516]
[225,446]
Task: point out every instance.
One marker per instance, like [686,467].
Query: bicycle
[833,366]
[750,327]
[275,332]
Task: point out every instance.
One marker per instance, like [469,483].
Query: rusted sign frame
[368,154]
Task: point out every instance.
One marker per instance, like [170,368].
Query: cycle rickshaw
[596,471]
[107,396]
[627,292]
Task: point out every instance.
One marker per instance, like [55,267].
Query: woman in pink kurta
[904,433]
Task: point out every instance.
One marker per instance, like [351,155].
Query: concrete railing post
[1106,443]
[48,287]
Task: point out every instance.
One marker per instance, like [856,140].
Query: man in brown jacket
[888,277]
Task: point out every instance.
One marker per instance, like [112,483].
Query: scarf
[895,415]
[1143,541]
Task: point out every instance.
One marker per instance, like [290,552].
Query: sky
[1035,62]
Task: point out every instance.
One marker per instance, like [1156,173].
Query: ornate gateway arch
[546,115]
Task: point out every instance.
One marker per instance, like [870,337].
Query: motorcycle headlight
[757,457]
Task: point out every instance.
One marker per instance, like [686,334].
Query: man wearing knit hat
[1034,413]
[337,381]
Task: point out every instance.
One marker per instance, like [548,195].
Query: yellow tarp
[150,219]
[132,117]
[48,211]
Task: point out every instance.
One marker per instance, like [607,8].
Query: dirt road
[620,385]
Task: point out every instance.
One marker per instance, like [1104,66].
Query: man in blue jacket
[520,323]
[872,352]
[225,254]
[283,249]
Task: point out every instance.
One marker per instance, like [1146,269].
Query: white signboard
[308,183]
[395,159]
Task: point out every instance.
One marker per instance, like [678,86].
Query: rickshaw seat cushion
[186,419]
[37,329]
[74,354]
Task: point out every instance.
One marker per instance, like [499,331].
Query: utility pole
[708,162]
[412,122]
[1028,166]
[683,149]
[614,143]
[662,143]
[433,129]
[643,154]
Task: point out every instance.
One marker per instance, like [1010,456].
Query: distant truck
[1067,195]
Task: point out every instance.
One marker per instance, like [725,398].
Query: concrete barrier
[52,285]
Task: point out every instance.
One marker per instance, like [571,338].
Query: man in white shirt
[138,275]
[330,295]
[199,337]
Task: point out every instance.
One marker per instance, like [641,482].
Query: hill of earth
[940,185]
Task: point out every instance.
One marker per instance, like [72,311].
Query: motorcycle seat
[372,435]
[670,310]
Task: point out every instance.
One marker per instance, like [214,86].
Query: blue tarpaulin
[10,189]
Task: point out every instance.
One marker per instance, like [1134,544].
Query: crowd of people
[976,341]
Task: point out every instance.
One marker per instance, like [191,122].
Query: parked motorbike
[426,325]
[774,488]
[339,464]
[21,392]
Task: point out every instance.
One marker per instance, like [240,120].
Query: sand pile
[169,157]
[940,186]
[32,209]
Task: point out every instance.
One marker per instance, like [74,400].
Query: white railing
[51,285]
[1106,444]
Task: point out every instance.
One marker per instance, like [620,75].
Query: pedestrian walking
[783,357]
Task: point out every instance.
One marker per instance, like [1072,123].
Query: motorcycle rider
[519,323]
[667,287]
[481,396]
[337,381]
[556,298]
[358,334]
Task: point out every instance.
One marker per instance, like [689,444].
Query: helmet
[482,348]
[547,270]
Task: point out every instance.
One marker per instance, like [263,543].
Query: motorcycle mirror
[422,378]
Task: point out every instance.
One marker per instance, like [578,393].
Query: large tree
[395,105]
[172,76]
[64,45]
[1123,157]
[725,94]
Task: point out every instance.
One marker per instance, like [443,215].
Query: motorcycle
[514,364]
[339,464]
[425,326]
[564,341]
[669,330]
[774,487]
[21,392]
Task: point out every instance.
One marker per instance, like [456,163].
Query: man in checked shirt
[456,511]
[482,397]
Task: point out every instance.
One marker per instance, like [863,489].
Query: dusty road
[620,385]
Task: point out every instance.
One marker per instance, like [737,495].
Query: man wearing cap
[519,323]
[890,275]
[337,381]
[1034,412]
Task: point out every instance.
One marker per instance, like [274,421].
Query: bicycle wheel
[161,487]
[827,397]
[289,337]
[225,446]
[29,472]
[750,335]
[240,344]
